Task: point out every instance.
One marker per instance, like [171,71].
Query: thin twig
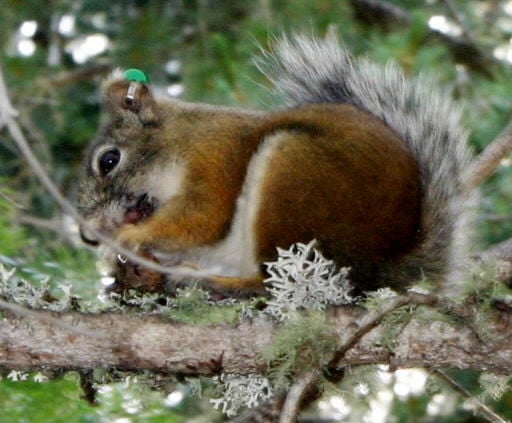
[11,201]
[372,318]
[72,77]
[454,12]
[495,218]
[7,114]
[295,399]
[484,410]
[7,111]
[296,394]
[53,225]
[488,161]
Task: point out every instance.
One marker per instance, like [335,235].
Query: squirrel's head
[115,183]
[142,152]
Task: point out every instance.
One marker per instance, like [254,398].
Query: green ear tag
[135,75]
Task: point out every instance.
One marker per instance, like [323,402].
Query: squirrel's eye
[108,161]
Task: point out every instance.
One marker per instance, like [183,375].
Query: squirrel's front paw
[133,237]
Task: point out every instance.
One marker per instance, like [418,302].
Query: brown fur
[342,177]
[216,146]
[338,175]
[368,162]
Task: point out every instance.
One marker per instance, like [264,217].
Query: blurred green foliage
[204,48]
[29,401]
[13,236]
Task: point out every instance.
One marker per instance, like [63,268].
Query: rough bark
[145,342]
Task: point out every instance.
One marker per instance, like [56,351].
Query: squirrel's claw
[133,237]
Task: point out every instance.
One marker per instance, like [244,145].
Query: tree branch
[295,396]
[489,160]
[391,18]
[146,342]
[72,77]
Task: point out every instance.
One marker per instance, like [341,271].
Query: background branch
[389,17]
[489,160]
[483,409]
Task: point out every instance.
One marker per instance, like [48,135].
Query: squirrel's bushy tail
[307,70]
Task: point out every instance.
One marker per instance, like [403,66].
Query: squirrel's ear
[127,100]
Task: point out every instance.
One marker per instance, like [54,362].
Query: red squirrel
[364,161]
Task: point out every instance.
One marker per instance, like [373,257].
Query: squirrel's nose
[87,239]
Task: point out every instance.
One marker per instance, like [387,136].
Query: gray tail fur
[307,70]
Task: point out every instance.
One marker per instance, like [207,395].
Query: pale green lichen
[239,392]
[21,292]
[17,375]
[494,386]
[193,306]
[298,346]
[303,279]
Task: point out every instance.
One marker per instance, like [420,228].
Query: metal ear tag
[132,90]
[136,77]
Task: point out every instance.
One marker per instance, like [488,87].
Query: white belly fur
[235,255]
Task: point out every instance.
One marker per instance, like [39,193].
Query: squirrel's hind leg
[240,286]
